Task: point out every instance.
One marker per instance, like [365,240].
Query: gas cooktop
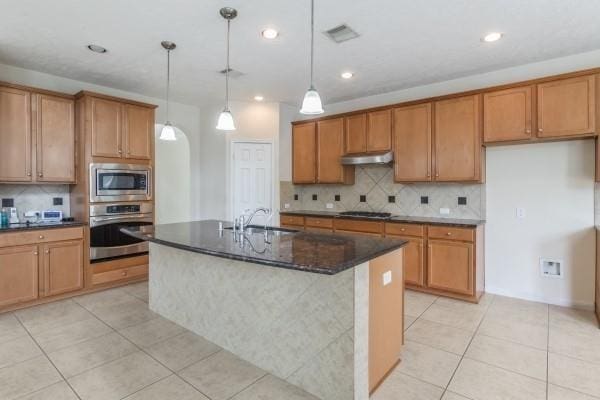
[366,214]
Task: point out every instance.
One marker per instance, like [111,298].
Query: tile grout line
[49,360]
[139,390]
[467,348]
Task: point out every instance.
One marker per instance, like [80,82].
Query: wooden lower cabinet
[18,274]
[123,269]
[414,261]
[63,267]
[450,266]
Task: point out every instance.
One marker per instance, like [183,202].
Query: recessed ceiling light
[347,75]
[492,37]
[259,98]
[269,33]
[96,49]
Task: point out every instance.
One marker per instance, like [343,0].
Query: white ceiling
[402,44]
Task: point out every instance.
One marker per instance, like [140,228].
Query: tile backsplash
[376,184]
[36,197]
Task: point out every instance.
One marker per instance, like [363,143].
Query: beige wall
[554,182]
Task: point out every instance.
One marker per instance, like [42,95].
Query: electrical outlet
[444,211]
[329,205]
[520,213]
[286,205]
[387,278]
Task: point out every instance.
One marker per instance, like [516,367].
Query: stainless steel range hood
[383,157]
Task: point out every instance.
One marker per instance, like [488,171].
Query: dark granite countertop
[38,226]
[393,218]
[324,253]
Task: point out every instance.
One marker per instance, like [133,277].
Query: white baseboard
[541,299]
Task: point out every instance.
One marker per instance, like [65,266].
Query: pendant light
[225,122]
[168,132]
[311,104]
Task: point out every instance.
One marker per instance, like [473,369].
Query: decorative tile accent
[376,182]
[36,197]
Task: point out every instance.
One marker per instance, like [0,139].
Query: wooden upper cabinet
[55,134]
[412,143]
[450,266]
[457,139]
[379,130]
[63,267]
[106,127]
[15,135]
[304,153]
[507,115]
[567,107]
[18,274]
[330,149]
[139,129]
[356,134]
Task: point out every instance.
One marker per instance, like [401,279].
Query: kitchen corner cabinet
[567,107]
[413,143]
[507,115]
[121,130]
[316,151]
[37,137]
[457,139]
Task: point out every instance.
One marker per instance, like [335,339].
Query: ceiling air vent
[341,33]
[232,73]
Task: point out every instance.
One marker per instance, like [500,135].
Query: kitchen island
[322,311]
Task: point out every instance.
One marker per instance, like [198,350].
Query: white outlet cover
[520,213]
[286,205]
[329,205]
[444,211]
[387,278]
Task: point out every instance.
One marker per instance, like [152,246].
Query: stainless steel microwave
[120,182]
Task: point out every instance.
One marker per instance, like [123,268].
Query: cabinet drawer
[359,226]
[315,222]
[295,220]
[404,229]
[452,233]
[40,236]
[118,274]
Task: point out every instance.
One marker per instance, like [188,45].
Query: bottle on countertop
[3,218]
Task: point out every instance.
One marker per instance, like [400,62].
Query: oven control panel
[97,210]
[123,209]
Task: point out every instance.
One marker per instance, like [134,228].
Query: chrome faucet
[245,222]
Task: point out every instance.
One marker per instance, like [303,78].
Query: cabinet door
[55,134]
[567,107]
[18,274]
[63,267]
[106,126]
[304,153]
[457,139]
[139,128]
[330,148]
[412,143]
[507,115]
[356,134]
[379,130]
[15,135]
[450,266]
[414,261]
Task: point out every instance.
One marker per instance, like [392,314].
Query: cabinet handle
[540,130]
[528,131]
[402,230]
[120,151]
[124,273]
[35,253]
[41,237]
[449,234]
[29,174]
[40,174]
[47,251]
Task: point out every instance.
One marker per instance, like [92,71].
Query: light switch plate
[329,205]
[444,211]
[387,278]
[520,213]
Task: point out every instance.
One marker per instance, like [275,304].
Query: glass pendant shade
[167,132]
[225,122]
[311,104]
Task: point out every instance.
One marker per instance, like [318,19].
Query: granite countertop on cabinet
[460,222]
[323,253]
[39,225]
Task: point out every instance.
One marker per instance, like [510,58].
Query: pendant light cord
[312,40]
[227,68]
[168,80]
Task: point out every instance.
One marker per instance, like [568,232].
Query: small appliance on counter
[14,216]
[51,216]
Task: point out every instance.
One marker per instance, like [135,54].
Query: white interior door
[252,178]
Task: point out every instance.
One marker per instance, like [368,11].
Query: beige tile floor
[109,345]
[500,349]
